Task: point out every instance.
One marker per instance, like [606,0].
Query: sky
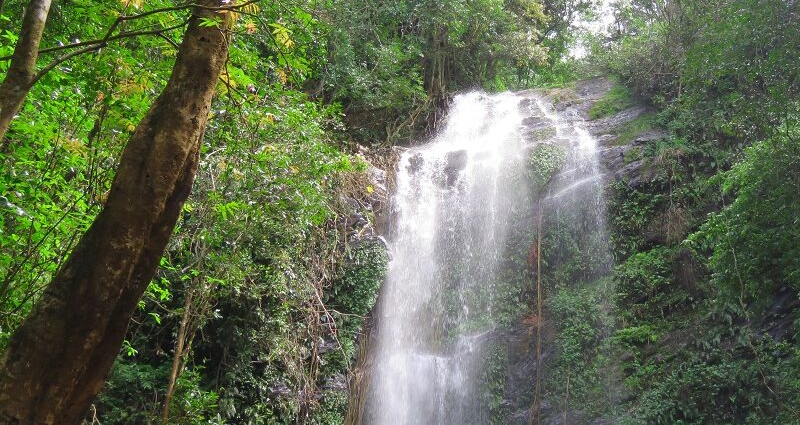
[604,17]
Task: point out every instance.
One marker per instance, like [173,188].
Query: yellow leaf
[370,189]
[74,146]
[135,3]
[282,75]
[226,78]
[251,8]
[283,35]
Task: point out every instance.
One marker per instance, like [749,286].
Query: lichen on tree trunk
[58,359]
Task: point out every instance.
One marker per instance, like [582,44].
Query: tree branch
[99,44]
[109,37]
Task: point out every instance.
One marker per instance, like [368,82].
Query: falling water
[454,209]
[452,202]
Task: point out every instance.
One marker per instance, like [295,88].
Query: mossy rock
[628,131]
[618,99]
[542,134]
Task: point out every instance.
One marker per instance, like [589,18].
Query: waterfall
[456,209]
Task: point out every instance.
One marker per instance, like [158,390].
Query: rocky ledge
[621,136]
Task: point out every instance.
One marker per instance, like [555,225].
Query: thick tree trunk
[58,359]
[22,70]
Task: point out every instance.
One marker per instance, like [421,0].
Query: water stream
[455,207]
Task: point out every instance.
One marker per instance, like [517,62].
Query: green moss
[493,381]
[542,134]
[629,130]
[545,159]
[617,99]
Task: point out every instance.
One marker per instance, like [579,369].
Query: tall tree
[22,69]
[58,359]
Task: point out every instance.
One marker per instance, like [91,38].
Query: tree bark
[22,69]
[58,359]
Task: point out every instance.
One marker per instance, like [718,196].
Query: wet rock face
[536,122]
[455,162]
[610,125]
[518,398]
[415,163]
[620,160]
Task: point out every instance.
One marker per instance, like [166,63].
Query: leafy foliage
[546,159]
[754,239]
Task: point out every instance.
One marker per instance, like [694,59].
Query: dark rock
[778,321]
[357,220]
[650,136]
[415,163]
[536,122]
[327,345]
[594,88]
[606,139]
[353,203]
[455,162]
[380,193]
[336,382]
[613,158]
[611,124]
[635,174]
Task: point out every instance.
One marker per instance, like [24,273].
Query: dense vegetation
[705,282]
[255,312]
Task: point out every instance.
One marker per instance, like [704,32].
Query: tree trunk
[22,70]
[177,356]
[58,359]
[435,74]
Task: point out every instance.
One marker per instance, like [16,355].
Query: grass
[629,130]
[616,100]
